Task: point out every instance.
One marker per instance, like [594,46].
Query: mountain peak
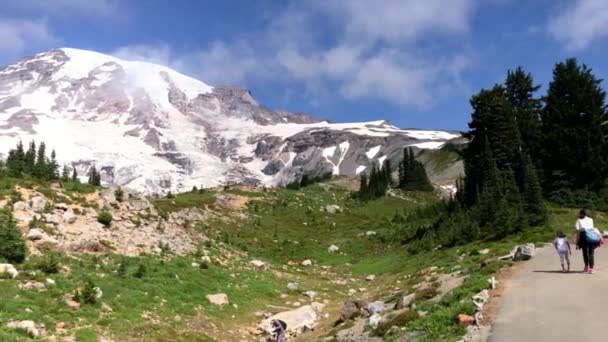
[153,129]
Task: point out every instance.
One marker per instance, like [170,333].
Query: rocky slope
[152,129]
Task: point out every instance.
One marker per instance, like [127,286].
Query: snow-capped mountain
[150,128]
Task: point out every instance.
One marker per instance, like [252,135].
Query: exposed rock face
[181,132]
[136,226]
[298,321]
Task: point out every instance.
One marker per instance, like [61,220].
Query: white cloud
[580,23]
[374,50]
[63,7]
[18,34]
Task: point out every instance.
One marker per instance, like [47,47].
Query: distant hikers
[562,246]
[588,238]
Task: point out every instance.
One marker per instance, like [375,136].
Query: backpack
[283,324]
[591,237]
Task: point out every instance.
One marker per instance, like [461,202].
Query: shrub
[397,321]
[119,194]
[204,265]
[104,218]
[12,245]
[88,295]
[141,271]
[122,270]
[49,263]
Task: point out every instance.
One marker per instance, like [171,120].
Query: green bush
[122,270]
[88,295]
[104,218]
[397,321]
[141,271]
[49,263]
[12,245]
[119,194]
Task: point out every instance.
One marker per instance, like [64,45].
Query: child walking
[562,246]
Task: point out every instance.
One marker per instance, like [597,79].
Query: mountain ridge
[152,129]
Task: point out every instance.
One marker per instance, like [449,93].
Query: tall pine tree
[574,147]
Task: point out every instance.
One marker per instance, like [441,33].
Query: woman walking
[588,238]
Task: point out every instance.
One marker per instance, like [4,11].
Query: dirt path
[540,303]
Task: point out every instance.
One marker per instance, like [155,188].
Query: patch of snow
[360,169]
[329,151]
[381,161]
[429,145]
[371,153]
[430,135]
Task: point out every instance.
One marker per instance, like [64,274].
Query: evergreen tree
[74,175]
[15,161]
[574,148]
[12,245]
[65,174]
[386,167]
[413,174]
[41,166]
[532,193]
[519,91]
[363,191]
[30,158]
[53,167]
[94,177]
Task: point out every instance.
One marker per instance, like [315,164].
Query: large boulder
[376,307]
[298,321]
[39,203]
[31,328]
[35,234]
[21,206]
[405,300]
[524,252]
[257,263]
[52,218]
[8,270]
[33,286]
[353,309]
[333,208]
[69,216]
[218,299]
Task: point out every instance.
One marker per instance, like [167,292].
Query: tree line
[34,163]
[411,176]
[524,148]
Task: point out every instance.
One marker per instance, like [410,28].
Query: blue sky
[415,63]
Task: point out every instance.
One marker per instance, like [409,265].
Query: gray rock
[333,208]
[38,203]
[374,320]
[35,234]
[353,309]
[376,307]
[310,294]
[31,328]
[292,286]
[52,218]
[61,206]
[21,206]
[9,269]
[405,300]
[69,216]
[524,252]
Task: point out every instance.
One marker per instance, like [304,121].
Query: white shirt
[561,244]
[584,223]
